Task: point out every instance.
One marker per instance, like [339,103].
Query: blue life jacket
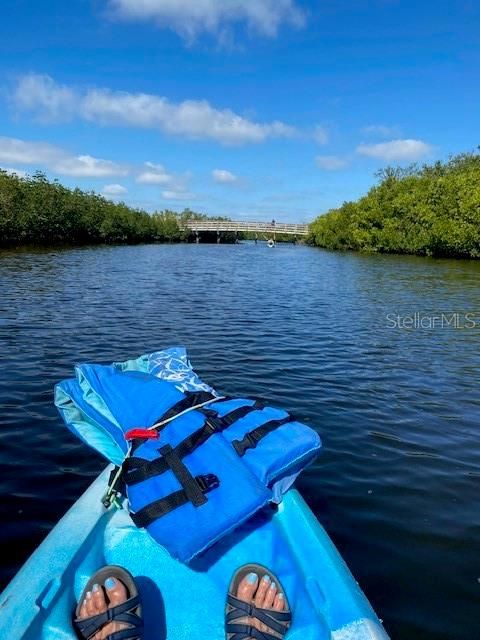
[202,471]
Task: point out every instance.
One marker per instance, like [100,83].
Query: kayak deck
[187,600]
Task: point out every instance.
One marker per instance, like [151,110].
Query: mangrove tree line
[432,210]
[37,211]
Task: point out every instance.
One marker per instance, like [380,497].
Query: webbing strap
[183,475]
[191,399]
[144,517]
[252,438]
[137,469]
[236,414]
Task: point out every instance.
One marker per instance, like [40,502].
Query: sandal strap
[246,631]
[123,612]
[275,620]
[281,616]
[125,634]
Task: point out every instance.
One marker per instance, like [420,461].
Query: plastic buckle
[251,441]
[208,482]
[112,496]
[112,499]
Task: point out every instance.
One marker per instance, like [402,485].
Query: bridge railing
[253,227]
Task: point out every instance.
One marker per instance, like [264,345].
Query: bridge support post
[197,237]
[218,236]
[256,238]
[236,237]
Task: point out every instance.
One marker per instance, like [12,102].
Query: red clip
[143,434]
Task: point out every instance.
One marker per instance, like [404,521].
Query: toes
[279,602]
[270,596]
[247,587]
[83,610]
[116,591]
[98,599]
[262,590]
[89,604]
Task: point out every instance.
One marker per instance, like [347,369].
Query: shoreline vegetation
[35,211]
[432,210]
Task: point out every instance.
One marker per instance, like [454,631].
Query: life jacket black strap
[236,414]
[137,469]
[183,475]
[144,517]
[191,399]
[252,438]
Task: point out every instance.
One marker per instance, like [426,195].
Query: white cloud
[320,135]
[189,18]
[14,150]
[175,186]
[114,190]
[14,172]
[195,119]
[88,167]
[395,150]
[223,176]
[40,93]
[43,155]
[154,174]
[331,163]
[171,194]
[380,130]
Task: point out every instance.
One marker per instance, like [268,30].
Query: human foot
[109,605]
[258,605]
[101,598]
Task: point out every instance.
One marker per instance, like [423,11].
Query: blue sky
[256,109]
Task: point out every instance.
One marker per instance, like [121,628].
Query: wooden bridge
[251,227]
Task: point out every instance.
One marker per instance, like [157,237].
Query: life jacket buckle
[115,490]
[208,482]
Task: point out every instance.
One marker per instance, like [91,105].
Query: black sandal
[278,622]
[128,612]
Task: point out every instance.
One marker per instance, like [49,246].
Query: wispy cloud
[331,163]
[47,156]
[175,185]
[380,130]
[114,190]
[41,96]
[87,167]
[321,135]
[400,150]
[172,194]
[154,174]
[222,176]
[190,18]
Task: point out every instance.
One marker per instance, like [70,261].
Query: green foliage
[433,210]
[35,211]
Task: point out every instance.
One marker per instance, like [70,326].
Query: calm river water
[398,406]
